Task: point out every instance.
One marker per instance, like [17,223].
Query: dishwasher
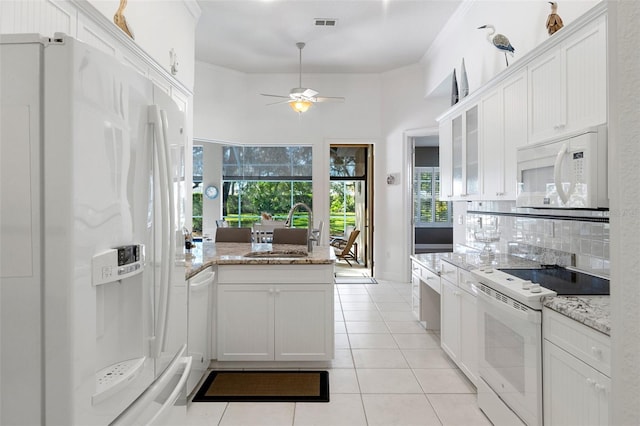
[199,326]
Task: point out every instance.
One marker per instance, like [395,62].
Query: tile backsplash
[587,239]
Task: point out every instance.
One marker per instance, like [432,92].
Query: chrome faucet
[310,235]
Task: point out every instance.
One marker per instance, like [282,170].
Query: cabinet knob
[591,382]
[600,387]
[596,351]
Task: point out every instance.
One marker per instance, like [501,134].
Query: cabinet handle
[499,194]
[449,195]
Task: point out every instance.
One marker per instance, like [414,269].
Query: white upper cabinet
[559,87]
[503,130]
[568,85]
[446,160]
[459,155]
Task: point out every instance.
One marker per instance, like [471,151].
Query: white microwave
[565,173]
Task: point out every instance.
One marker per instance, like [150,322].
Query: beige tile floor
[387,371]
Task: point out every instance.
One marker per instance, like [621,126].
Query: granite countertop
[209,253]
[592,311]
[470,260]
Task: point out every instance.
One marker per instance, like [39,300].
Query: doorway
[432,218]
[351,203]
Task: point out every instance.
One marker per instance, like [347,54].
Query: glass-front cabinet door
[462,135]
[471,150]
[458,158]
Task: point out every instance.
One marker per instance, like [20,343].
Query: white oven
[510,357]
[510,348]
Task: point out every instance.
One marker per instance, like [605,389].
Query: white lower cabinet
[274,320]
[459,332]
[468,359]
[576,391]
[199,324]
[450,322]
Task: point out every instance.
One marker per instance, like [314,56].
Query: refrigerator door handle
[144,404]
[167,238]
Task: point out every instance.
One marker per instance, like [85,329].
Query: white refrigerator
[92,203]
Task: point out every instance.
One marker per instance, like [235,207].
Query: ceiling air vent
[325,22]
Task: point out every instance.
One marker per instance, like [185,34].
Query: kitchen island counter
[209,253]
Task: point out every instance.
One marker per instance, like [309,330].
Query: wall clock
[211,192]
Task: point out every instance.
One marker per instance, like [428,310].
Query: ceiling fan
[301,98]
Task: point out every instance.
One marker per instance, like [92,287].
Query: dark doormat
[355,280]
[264,386]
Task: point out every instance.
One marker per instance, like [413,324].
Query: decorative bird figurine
[121,21]
[500,41]
[554,21]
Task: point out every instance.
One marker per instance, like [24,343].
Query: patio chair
[347,249]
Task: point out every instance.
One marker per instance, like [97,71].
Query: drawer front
[590,346]
[431,279]
[467,282]
[449,272]
[276,274]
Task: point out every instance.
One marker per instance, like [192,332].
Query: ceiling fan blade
[328,99]
[286,101]
[275,96]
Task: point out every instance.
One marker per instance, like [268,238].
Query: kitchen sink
[278,253]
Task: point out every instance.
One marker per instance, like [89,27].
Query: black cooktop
[564,281]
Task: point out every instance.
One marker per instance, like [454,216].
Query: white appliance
[200,320]
[91,198]
[510,348]
[566,173]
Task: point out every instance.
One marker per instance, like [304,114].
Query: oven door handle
[530,315]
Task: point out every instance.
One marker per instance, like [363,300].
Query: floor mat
[264,386]
[355,280]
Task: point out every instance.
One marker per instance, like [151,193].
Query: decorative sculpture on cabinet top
[554,21]
[500,41]
[121,21]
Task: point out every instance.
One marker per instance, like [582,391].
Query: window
[197,190]
[429,211]
[265,179]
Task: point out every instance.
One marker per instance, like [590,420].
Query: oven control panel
[521,290]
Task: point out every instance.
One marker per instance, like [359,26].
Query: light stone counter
[592,311]
[210,253]
[470,260]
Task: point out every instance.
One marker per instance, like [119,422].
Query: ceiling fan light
[300,105]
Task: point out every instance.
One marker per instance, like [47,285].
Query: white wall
[624,194]
[211,175]
[159,26]
[522,21]
[403,109]
[378,110]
